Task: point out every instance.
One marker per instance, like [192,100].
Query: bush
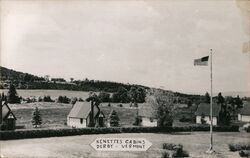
[238,147]
[6,135]
[80,99]
[168,146]
[63,99]
[244,153]
[247,128]
[179,152]
[184,119]
[165,155]
[120,105]
[177,148]
[47,99]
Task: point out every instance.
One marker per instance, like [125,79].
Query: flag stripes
[202,61]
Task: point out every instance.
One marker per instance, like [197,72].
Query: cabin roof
[204,108]
[6,111]
[80,110]
[246,109]
[147,110]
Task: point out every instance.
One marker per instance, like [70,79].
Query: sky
[152,43]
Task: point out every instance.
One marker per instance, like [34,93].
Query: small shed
[203,113]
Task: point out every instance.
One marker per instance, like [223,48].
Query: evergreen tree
[12,96]
[207,98]
[36,118]
[238,102]
[221,99]
[114,119]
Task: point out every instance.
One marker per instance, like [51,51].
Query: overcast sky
[152,43]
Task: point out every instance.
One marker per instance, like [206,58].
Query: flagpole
[211,103]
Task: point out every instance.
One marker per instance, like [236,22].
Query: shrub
[168,146]
[80,99]
[40,99]
[184,119]
[63,99]
[179,152]
[47,99]
[244,153]
[177,148]
[165,155]
[6,135]
[238,147]
[120,105]
[247,128]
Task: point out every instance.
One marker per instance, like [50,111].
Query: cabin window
[81,120]
[151,119]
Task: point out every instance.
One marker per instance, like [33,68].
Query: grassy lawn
[195,143]
[55,114]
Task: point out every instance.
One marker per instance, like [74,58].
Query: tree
[221,99]
[189,104]
[163,105]
[121,95]
[141,94]
[12,96]
[104,97]
[225,116]
[36,118]
[207,98]
[93,98]
[71,79]
[133,94]
[114,119]
[137,95]
[238,102]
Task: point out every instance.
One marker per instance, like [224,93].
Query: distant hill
[28,81]
[12,75]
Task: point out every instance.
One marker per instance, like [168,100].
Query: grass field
[55,114]
[195,143]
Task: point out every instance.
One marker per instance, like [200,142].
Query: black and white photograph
[124,78]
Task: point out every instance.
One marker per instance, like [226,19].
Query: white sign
[121,144]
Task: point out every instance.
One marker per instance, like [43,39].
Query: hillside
[28,81]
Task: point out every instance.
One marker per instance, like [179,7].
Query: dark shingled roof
[204,108]
[6,111]
[80,110]
[147,110]
[246,109]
